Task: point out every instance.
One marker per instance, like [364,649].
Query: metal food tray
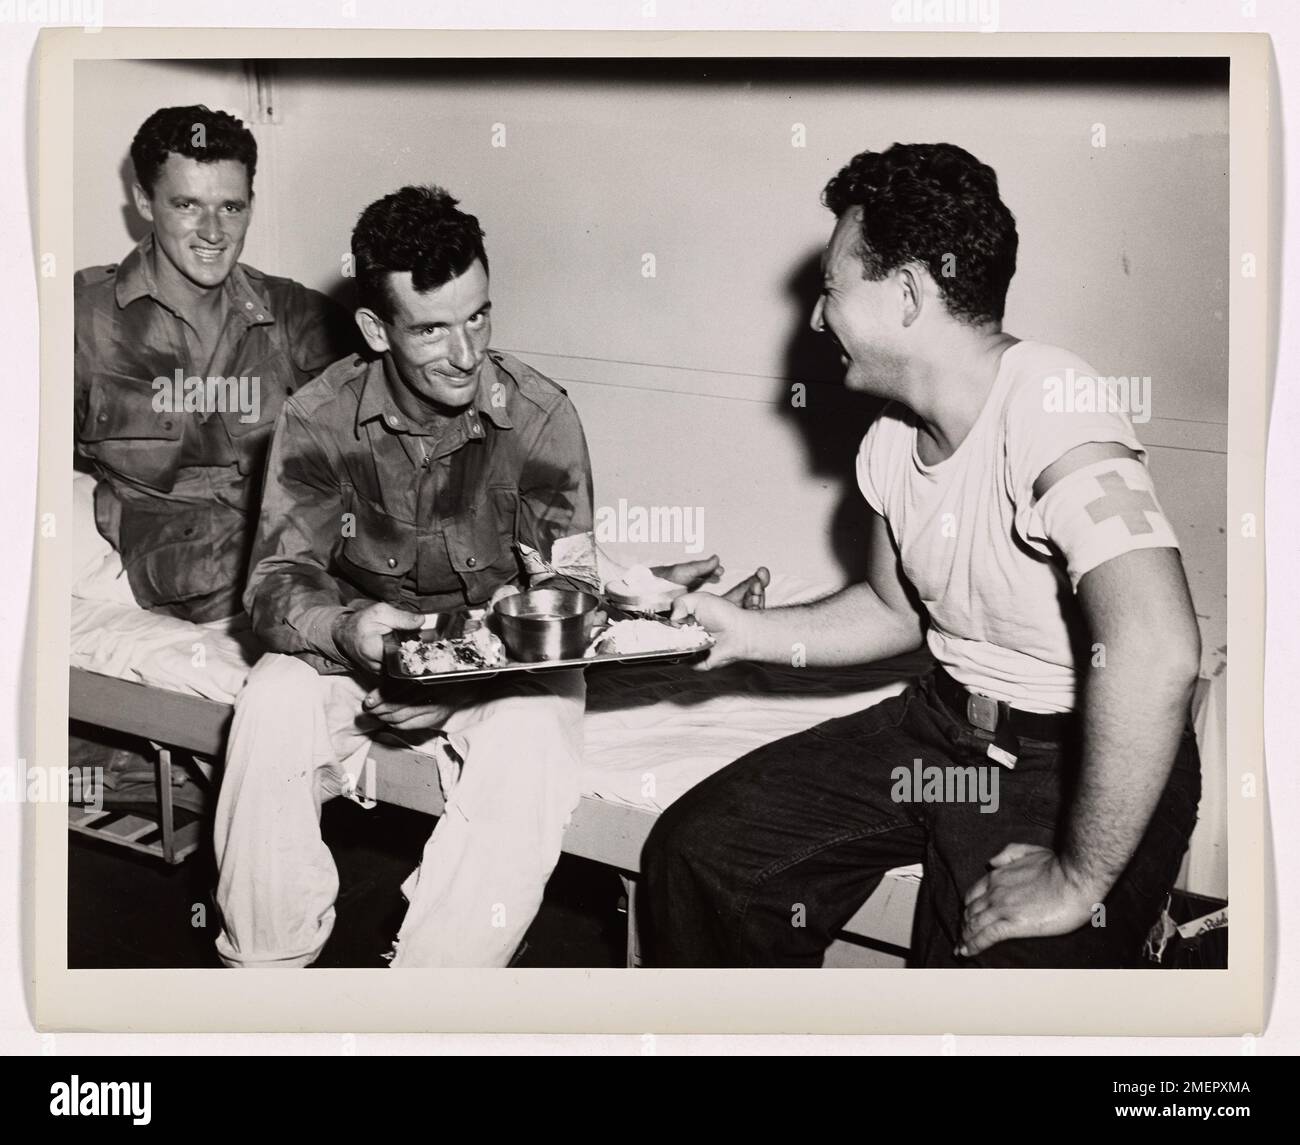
[393,660]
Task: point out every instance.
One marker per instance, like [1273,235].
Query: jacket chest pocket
[131,428]
[256,398]
[480,542]
[377,552]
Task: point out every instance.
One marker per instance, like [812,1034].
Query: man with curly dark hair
[1044,771]
[436,477]
[183,358]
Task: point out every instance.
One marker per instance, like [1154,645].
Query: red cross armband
[1101,511]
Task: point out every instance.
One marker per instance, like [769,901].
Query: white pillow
[97,572]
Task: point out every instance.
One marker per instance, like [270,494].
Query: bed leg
[164,773]
[633,940]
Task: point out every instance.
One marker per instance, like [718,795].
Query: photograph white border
[617,1000]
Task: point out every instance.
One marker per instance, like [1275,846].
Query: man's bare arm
[1139,611]
[857,625]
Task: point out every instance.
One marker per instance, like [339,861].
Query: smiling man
[178,480]
[397,487]
[1025,545]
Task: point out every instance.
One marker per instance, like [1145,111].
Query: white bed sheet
[653,733]
[128,642]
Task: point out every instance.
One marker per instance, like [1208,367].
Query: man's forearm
[853,626]
[1134,711]
[296,609]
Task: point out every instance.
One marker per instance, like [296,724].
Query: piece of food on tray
[625,637]
[421,659]
[480,649]
[639,590]
[487,645]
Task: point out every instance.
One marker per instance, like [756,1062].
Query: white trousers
[299,738]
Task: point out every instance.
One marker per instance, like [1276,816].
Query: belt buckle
[982,711]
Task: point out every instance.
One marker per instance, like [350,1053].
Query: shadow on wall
[830,419]
[342,291]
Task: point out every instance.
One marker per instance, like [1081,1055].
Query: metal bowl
[546,624]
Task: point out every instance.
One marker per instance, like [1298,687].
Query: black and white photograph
[651,513]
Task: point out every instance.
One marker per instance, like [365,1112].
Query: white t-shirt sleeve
[877,465]
[866,478]
[1043,422]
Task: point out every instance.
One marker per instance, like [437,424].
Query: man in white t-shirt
[1044,772]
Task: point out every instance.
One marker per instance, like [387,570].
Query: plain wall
[683,380]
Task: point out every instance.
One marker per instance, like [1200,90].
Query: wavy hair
[937,205]
[416,229]
[177,130]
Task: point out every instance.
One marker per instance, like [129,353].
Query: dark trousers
[764,862]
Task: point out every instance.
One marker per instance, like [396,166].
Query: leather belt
[997,717]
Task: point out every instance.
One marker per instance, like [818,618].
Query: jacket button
[392,562]
[167,425]
[102,417]
[472,562]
